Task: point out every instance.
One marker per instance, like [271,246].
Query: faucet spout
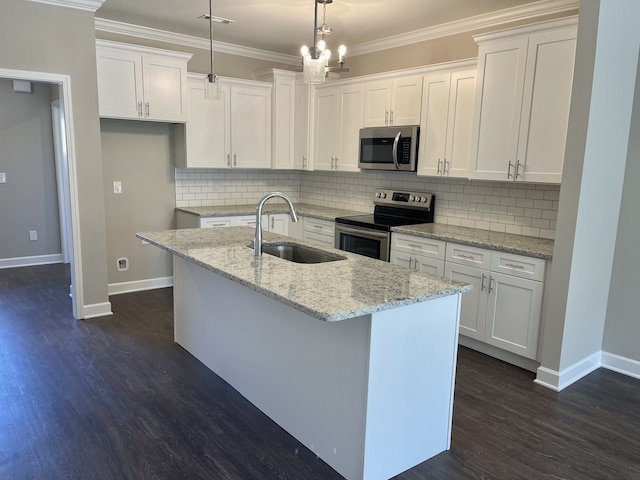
[257,241]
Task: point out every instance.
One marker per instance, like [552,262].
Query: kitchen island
[354,357]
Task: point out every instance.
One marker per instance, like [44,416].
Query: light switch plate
[117,187]
[3,178]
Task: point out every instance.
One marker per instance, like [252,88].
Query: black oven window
[360,245]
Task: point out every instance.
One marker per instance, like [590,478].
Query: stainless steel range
[370,234]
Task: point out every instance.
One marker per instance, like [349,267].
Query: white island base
[371,395]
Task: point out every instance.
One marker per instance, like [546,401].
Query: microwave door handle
[395,150]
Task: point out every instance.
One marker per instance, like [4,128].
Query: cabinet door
[501,70]
[120,85]
[250,127]
[351,108]
[513,314]
[460,124]
[406,101]
[433,124]
[377,103]
[429,265]
[473,310]
[545,109]
[249,221]
[164,89]
[301,138]
[283,121]
[326,114]
[207,128]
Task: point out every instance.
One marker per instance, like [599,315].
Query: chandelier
[315,60]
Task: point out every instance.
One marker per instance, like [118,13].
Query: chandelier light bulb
[327,55]
[321,45]
[342,50]
[304,50]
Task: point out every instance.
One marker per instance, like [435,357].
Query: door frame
[64,86]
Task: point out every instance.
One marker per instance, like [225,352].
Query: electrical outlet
[117,187]
[122,264]
[33,235]
[3,177]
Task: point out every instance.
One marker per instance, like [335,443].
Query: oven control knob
[423,199]
[378,194]
[412,198]
[383,195]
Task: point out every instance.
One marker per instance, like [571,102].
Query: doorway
[66,177]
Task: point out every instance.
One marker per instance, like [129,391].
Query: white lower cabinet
[272,222]
[417,253]
[502,310]
[319,231]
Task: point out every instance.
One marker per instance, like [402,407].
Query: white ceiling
[282,26]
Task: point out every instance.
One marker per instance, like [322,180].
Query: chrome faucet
[257,241]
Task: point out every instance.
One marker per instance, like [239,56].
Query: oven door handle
[340,228]
[395,150]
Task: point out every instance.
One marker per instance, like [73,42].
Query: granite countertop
[273,206]
[329,291]
[505,242]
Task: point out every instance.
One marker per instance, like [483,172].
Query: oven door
[363,241]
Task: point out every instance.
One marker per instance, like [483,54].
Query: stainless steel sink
[297,253]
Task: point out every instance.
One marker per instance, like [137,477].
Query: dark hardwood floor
[115,398]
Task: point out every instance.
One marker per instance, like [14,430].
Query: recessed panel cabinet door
[250,127]
[120,85]
[164,89]
[513,314]
[433,127]
[325,138]
[474,303]
[351,114]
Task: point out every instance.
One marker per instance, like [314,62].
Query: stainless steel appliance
[370,234]
[389,148]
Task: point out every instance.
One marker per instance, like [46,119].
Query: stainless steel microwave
[389,148]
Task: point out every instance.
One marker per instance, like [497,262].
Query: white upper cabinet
[523,93]
[232,131]
[141,83]
[446,123]
[337,122]
[393,101]
[301,136]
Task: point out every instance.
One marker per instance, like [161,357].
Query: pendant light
[211,83]
[315,60]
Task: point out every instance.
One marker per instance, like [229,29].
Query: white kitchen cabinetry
[283,117]
[301,137]
[504,307]
[417,253]
[338,119]
[446,123]
[319,231]
[272,222]
[232,131]
[393,101]
[523,93]
[141,83]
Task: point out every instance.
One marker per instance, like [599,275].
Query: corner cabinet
[393,102]
[141,83]
[446,124]
[232,131]
[337,122]
[523,92]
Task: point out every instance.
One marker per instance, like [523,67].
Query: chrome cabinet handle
[466,257]
[413,245]
[518,165]
[234,160]
[317,226]
[482,282]
[304,162]
[490,283]
[410,262]
[509,169]
[445,168]
[337,159]
[146,108]
[513,265]
[390,117]
[140,109]
[273,222]
[332,160]
[439,162]
[386,117]
[228,160]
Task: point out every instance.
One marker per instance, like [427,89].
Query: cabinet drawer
[318,226]
[467,255]
[212,222]
[326,240]
[249,221]
[418,245]
[518,265]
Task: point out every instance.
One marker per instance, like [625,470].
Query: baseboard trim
[624,365]
[140,285]
[560,380]
[97,310]
[30,261]
[500,354]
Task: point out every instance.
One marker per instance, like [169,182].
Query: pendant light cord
[211,41]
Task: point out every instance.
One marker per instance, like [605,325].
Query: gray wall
[138,155]
[45,38]
[622,329]
[28,201]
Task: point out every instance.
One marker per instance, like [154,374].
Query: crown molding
[494,19]
[89,5]
[120,28]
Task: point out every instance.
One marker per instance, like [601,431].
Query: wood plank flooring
[115,398]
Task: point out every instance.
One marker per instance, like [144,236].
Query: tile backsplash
[520,208]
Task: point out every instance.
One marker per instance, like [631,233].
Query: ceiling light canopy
[315,59]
